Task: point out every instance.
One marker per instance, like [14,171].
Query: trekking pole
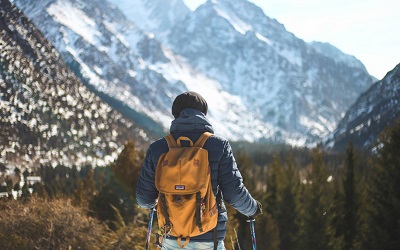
[253,233]
[149,228]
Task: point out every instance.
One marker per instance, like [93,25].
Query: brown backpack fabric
[186,203]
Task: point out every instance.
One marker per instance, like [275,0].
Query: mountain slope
[280,77]
[109,53]
[155,16]
[261,82]
[373,111]
[47,115]
[120,62]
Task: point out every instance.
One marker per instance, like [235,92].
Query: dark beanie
[189,99]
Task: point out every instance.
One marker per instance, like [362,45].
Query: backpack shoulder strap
[202,139]
[171,141]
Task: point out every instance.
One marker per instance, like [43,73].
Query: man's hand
[258,212]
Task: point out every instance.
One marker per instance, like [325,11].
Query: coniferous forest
[312,199]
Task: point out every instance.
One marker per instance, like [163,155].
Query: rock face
[376,109]
[261,81]
[47,115]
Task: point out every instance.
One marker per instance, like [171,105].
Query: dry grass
[57,224]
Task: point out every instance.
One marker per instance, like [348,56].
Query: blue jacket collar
[191,120]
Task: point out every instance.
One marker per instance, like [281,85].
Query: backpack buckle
[166,229]
[178,199]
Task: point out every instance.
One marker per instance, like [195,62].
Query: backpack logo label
[165,163]
[196,162]
[179,187]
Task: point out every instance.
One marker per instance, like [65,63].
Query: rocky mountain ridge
[261,81]
[375,110]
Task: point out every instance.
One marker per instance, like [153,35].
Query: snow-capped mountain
[376,109]
[47,115]
[261,81]
[122,63]
[110,54]
[302,88]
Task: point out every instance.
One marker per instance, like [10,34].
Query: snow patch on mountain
[373,111]
[261,81]
[231,17]
[154,16]
[75,19]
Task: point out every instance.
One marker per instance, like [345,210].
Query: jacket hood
[191,120]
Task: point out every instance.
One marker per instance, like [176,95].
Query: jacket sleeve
[231,184]
[146,192]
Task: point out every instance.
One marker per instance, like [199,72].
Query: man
[189,110]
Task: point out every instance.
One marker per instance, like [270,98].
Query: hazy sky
[366,29]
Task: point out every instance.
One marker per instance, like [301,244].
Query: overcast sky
[367,29]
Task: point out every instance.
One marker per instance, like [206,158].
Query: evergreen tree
[275,181]
[383,203]
[350,208]
[287,213]
[128,165]
[273,220]
[17,172]
[246,167]
[315,231]
[85,187]
[111,202]
[25,194]
[337,213]
[345,210]
[267,233]
[9,187]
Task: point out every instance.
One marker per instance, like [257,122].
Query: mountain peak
[256,76]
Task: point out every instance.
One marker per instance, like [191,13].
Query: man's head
[189,99]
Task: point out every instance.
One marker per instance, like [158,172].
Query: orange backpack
[186,203]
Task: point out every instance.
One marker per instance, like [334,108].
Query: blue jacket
[224,172]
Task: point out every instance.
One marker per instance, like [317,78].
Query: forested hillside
[46,114]
[312,199]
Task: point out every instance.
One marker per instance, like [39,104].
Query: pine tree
[345,209]
[383,203]
[25,194]
[288,212]
[337,213]
[350,208]
[267,233]
[128,165]
[275,181]
[315,231]
[246,167]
